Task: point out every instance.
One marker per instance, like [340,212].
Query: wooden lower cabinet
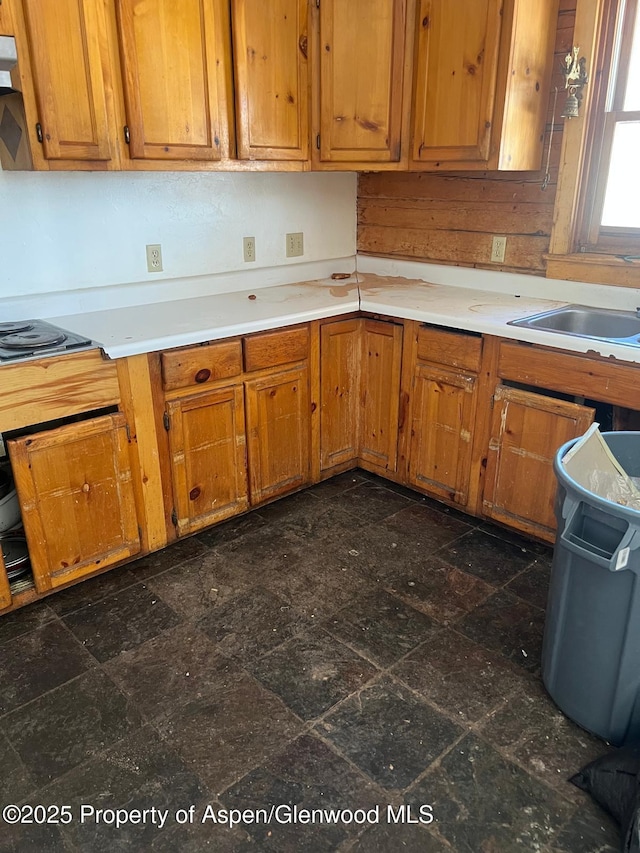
[76,497]
[442,424]
[208,457]
[380,394]
[526,431]
[340,359]
[360,393]
[278,432]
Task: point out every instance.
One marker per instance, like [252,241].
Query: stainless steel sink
[621,327]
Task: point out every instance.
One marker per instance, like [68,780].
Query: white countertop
[148,328]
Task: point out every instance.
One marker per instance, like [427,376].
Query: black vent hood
[8,61]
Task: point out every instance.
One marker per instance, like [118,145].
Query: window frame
[609,82]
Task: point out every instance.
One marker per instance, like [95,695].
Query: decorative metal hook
[576,78]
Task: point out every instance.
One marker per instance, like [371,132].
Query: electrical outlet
[498,248]
[295,244]
[154,257]
[249,248]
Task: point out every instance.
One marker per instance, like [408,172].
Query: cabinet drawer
[572,374]
[456,349]
[199,365]
[54,387]
[274,348]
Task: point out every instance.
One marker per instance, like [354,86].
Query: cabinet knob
[194,494]
[86,488]
[203,375]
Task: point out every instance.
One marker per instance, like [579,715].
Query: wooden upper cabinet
[175,57]
[456,67]
[76,498]
[68,59]
[481,82]
[358,91]
[271,79]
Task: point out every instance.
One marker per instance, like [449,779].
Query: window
[610,204]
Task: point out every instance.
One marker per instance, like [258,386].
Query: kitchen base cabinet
[208,464]
[442,422]
[76,496]
[360,364]
[527,430]
[380,395]
[278,433]
[443,407]
[340,359]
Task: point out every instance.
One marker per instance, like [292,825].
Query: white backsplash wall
[75,230]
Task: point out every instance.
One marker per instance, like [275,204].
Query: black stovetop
[23,339]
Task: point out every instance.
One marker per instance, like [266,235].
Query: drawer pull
[194,494]
[203,375]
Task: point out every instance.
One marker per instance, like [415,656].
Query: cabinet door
[76,497]
[443,413]
[455,79]
[68,56]
[360,47]
[380,394]
[340,358]
[6,24]
[271,79]
[209,469]
[278,432]
[527,430]
[175,59]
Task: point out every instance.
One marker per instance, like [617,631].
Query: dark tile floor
[352,647]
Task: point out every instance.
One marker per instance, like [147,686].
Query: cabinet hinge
[3,449]
[39,132]
[317,4]
[318,142]
[174,518]
[127,135]
[128,429]
[166,421]
[491,402]
[139,533]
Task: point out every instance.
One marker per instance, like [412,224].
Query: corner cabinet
[270,59]
[360,369]
[481,80]
[76,496]
[361,49]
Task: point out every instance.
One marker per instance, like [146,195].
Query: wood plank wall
[451,217]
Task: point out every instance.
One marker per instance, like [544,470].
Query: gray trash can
[591,649]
